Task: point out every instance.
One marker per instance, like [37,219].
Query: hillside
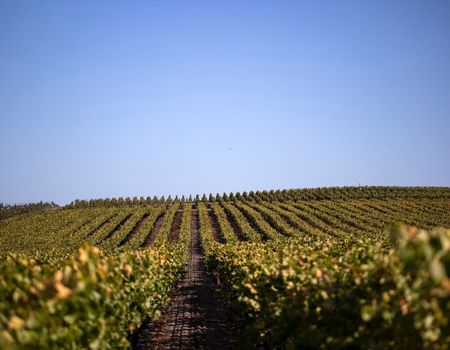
[289,268]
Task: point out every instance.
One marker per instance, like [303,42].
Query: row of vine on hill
[299,275]
[325,291]
[88,300]
[326,193]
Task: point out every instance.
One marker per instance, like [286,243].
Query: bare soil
[215,229]
[153,232]
[135,229]
[197,316]
[175,228]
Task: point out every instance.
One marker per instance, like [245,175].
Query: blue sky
[125,98]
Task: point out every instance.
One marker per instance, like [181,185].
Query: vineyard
[355,267]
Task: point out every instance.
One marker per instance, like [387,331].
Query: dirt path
[134,230]
[153,231]
[214,226]
[196,319]
[175,228]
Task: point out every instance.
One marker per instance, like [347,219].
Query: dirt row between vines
[215,230]
[153,231]
[135,229]
[175,228]
[197,316]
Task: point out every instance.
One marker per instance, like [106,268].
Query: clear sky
[124,98]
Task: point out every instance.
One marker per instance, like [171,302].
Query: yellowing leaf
[16,323]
